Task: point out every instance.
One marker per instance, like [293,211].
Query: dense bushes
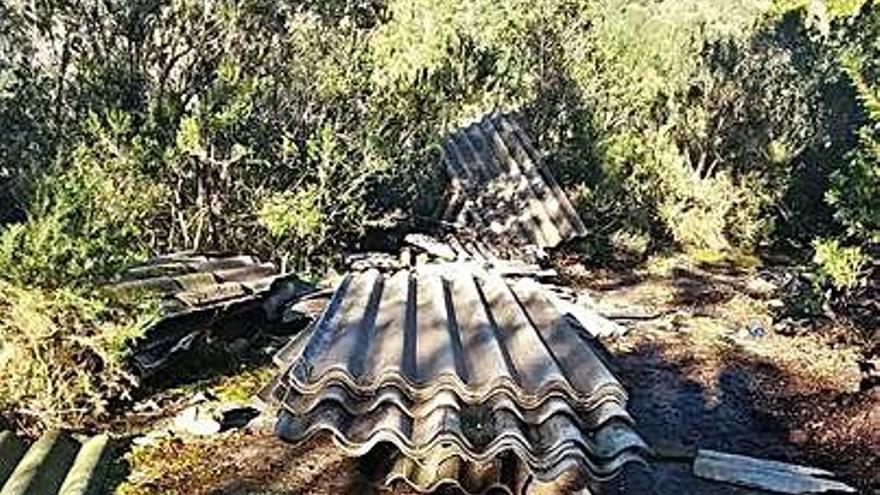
[62,355]
[286,128]
[685,121]
[88,212]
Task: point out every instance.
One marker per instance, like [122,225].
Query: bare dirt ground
[719,368]
[709,363]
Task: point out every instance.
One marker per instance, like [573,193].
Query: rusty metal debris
[503,190]
[452,358]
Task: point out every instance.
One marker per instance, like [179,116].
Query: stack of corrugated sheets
[447,374]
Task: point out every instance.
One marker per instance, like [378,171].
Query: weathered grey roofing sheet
[447,327]
[188,282]
[504,190]
[301,404]
[505,474]
[456,368]
[476,436]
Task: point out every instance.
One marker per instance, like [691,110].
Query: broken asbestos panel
[503,190]
[195,291]
[591,321]
[767,475]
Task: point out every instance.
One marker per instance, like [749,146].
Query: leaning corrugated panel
[504,190]
[447,327]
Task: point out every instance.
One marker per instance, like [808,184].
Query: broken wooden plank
[765,474]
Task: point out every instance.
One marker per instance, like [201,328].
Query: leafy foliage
[61,356]
[86,217]
[855,187]
[841,266]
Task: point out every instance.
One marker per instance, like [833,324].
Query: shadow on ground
[742,414]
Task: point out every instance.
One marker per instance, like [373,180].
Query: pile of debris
[454,362]
[474,381]
[201,295]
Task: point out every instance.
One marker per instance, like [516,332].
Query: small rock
[263,423]
[776,303]
[144,441]
[236,416]
[759,286]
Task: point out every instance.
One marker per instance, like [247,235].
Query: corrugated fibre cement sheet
[447,326]
[503,474]
[542,447]
[502,188]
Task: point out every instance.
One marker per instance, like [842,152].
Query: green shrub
[839,266]
[88,215]
[62,355]
[63,347]
[630,244]
[854,193]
